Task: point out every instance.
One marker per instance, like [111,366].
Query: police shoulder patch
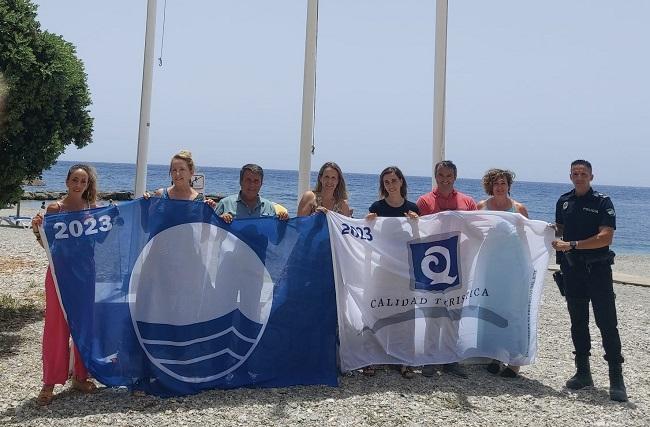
[611,212]
[565,205]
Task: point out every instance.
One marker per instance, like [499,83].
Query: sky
[530,85]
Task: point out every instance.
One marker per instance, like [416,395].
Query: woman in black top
[393,203]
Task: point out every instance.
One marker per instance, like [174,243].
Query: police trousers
[584,283]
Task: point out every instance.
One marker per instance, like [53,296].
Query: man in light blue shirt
[248,203]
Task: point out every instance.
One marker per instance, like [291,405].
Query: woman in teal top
[497,183]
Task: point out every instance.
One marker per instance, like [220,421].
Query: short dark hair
[251,167]
[581,162]
[446,164]
[400,175]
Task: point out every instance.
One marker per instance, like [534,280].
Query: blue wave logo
[200,300]
[191,351]
[434,262]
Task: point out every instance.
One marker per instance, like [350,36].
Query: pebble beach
[537,397]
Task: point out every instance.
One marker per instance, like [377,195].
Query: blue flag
[163,296]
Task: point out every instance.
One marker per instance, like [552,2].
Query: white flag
[438,289]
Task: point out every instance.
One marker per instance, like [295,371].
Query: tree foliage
[46,105]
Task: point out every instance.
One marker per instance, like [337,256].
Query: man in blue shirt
[248,203]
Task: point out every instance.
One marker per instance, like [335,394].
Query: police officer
[586,220]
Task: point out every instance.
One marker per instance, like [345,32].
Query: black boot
[617,389]
[582,378]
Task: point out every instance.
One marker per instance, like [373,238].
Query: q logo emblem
[434,262]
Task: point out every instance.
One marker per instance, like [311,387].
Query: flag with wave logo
[163,296]
[438,289]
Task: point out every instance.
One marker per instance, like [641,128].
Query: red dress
[56,339]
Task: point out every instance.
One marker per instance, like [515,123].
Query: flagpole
[308,98]
[439,85]
[145,100]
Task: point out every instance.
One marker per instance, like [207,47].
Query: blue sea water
[631,203]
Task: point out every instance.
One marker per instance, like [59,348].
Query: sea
[632,233]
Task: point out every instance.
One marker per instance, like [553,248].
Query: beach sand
[538,397]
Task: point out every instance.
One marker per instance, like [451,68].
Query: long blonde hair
[340,192]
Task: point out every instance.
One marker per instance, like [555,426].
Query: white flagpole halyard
[439,85]
[145,100]
[308,98]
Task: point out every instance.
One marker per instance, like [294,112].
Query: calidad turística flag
[438,289]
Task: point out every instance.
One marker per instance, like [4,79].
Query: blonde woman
[181,170]
[329,194]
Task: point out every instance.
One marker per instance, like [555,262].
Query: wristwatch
[573,244]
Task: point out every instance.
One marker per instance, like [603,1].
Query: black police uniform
[587,272]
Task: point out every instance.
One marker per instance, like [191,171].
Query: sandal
[494,367]
[369,371]
[509,372]
[407,372]
[85,386]
[46,395]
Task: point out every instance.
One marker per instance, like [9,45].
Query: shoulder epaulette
[601,195]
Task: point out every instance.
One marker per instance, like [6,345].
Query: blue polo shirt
[235,206]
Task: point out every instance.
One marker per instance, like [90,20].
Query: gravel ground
[538,397]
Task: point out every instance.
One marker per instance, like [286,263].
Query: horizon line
[356,173]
